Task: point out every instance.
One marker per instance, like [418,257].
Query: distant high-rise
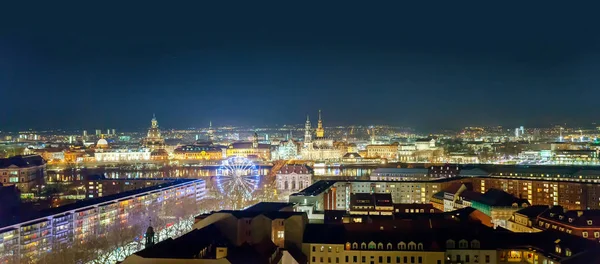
[114,131]
[517,132]
[84,134]
[98,132]
[522,130]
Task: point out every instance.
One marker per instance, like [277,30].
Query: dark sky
[434,65]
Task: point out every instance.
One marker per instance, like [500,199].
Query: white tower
[307,132]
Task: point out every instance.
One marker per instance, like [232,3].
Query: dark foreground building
[276,236]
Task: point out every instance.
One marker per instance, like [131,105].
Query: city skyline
[262,66]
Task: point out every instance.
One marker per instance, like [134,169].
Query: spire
[307,119]
[320,131]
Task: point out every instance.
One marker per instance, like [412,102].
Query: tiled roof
[533,211]
[295,168]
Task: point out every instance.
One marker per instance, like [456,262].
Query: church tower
[320,130]
[307,132]
[211,136]
[149,237]
[255,141]
[154,123]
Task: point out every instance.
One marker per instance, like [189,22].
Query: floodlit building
[389,151]
[200,151]
[293,177]
[286,150]
[319,147]
[122,155]
[251,149]
[154,139]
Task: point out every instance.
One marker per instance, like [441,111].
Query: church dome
[102,143]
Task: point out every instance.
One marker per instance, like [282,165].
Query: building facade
[198,152]
[25,172]
[319,148]
[154,139]
[293,177]
[76,224]
[122,155]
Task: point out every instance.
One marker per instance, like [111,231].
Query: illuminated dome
[102,143]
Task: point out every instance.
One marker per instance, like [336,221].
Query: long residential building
[30,237]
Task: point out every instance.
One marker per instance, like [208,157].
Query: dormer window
[558,249]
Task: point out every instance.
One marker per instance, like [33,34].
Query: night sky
[430,66]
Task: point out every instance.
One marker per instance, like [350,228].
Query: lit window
[280,234]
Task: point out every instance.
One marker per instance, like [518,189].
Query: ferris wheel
[238,177]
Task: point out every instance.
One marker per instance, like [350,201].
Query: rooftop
[533,211]
[269,207]
[22,161]
[400,171]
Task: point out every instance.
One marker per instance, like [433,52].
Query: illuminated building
[319,148]
[251,149]
[154,139]
[77,223]
[73,155]
[95,187]
[102,143]
[200,151]
[23,171]
[320,132]
[122,155]
[400,174]
[422,150]
[524,220]
[293,177]
[286,150]
[51,154]
[389,151]
[497,204]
